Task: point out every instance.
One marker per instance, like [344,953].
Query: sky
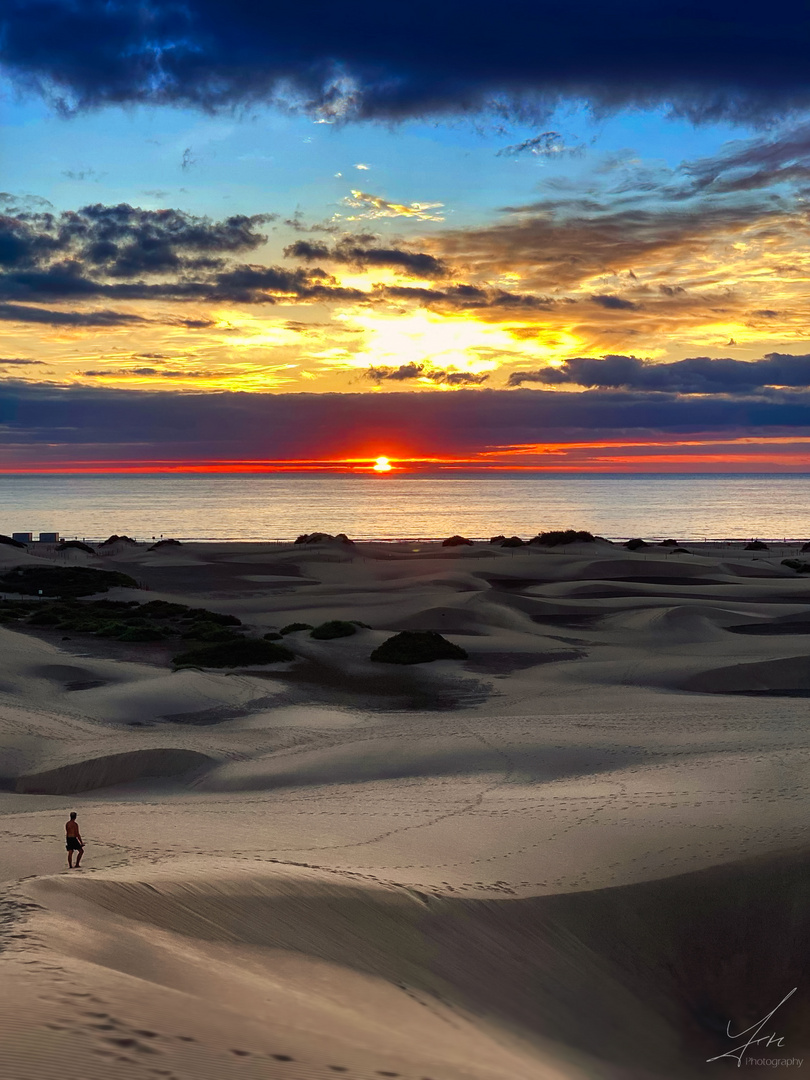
[549,237]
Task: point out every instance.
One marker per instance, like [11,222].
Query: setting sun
[382,464]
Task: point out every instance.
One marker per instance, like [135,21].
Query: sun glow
[382,464]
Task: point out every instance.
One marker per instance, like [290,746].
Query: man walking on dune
[74,841]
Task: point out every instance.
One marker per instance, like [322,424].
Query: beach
[578,852]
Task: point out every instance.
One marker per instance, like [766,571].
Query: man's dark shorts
[72,844]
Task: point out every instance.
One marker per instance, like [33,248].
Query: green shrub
[242,652]
[46,617]
[113,630]
[163,609]
[557,537]
[335,628]
[797,565]
[417,647]
[292,627]
[142,633]
[203,615]
[68,581]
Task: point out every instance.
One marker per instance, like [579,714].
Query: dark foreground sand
[579,853]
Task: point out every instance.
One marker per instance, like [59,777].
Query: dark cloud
[695,375]
[6,361]
[160,373]
[349,250]
[614,303]
[80,422]
[549,144]
[412,370]
[751,164]
[123,241]
[127,253]
[725,59]
[21,313]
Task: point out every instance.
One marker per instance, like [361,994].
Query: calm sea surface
[280,506]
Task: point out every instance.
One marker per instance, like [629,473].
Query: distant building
[49,538]
[24,538]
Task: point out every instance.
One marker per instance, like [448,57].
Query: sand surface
[578,853]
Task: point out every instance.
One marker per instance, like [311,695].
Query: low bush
[163,544]
[142,633]
[335,628]
[75,545]
[242,652]
[797,565]
[294,627]
[669,543]
[272,635]
[513,542]
[497,539]
[456,541]
[68,581]
[636,544]
[417,647]
[558,537]
[756,545]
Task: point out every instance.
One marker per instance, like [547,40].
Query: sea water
[279,506]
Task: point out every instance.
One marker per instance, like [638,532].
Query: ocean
[279,506]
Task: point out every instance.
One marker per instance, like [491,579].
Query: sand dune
[517,866]
[111,770]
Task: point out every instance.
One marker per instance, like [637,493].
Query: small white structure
[24,538]
[49,538]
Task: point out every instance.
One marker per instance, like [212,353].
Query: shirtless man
[74,841]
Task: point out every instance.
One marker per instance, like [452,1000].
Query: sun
[382,464]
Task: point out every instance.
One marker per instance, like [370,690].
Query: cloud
[6,361]
[52,423]
[362,167]
[731,61]
[348,250]
[374,206]
[695,375]
[547,145]
[20,313]
[412,370]
[83,174]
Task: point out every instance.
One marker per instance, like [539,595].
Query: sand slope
[578,853]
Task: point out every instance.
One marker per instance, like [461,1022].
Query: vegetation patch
[63,580]
[637,544]
[417,647]
[512,542]
[756,545]
[164,544]
[294,627]
[456,541]
[797,565]
[242,652]
[123,620]
[335,628]
[76,545]
[559,537]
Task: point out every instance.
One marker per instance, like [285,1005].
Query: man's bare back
[73,841]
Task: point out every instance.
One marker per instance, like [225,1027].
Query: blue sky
[285,202]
